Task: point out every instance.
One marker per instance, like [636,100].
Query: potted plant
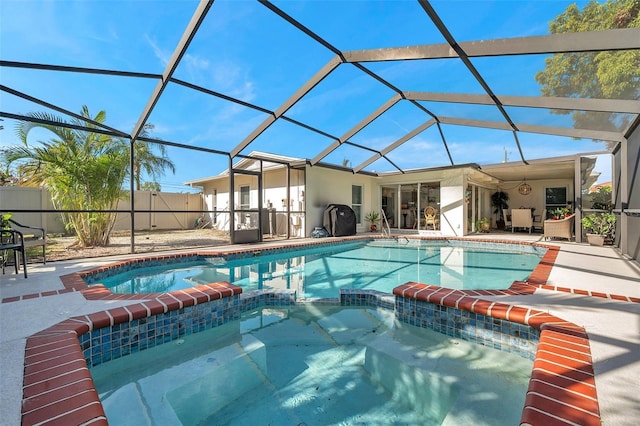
[561,213]
[373,218]
[598,226]
[483,225]
[499,201]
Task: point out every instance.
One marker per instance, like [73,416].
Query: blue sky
[245,51]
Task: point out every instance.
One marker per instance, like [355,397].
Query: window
[356,202]
[245,201]
[555,198]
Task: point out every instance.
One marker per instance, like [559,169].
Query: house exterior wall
[330,186]
[452,206]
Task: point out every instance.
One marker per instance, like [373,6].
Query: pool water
[320,272]
[314,365]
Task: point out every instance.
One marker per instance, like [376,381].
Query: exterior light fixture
[524,188]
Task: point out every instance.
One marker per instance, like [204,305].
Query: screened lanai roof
[379,87]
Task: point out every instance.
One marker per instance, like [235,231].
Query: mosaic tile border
[496,333]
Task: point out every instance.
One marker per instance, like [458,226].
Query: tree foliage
[607,74]
[84,171]
[146,160]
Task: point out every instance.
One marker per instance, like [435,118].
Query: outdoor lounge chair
[12,241]
[562,228]
[521,218]
[32,236]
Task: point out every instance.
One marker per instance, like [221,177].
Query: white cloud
[157,51]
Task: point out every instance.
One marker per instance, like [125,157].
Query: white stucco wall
[452,212]
[330,186]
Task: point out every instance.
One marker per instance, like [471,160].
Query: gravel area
[64,248]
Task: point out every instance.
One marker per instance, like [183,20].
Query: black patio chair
[12,241]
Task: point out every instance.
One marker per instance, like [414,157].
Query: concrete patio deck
[613,325]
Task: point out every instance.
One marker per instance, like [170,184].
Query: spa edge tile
[43,355]
[57,382]
[518,314]
[82,406]
[185,299]
[439,294]
[560,339]
[100,319]
[482,306]
[499,310]
[568,329]
[119,315]
[198,295]
[584,373]
[566,362]
[586,388]
[532,416]
[171,302]
[153,307]
[566,396]
[54,395]
[576,414]
[452,298]
[51,372]
[565,347]
[138,311]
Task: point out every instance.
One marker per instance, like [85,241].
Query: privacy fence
[154,210]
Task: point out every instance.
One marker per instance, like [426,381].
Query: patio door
[246,220]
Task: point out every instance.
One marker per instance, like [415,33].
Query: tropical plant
[499,201]
[601,199]
[599,223]
[606,74]
[4,220]
[483,225]
[84,171]
[373,218]
[146,159]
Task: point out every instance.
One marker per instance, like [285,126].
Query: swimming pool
[315,364]
[319,272]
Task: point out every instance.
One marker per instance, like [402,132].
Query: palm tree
[83,171]
[144,158]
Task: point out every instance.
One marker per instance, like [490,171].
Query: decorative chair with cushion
[506,215]
[431,218]
[562,228]
[538,221]
[521,218]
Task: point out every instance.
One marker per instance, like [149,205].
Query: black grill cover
[339,220]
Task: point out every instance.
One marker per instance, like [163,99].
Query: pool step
[208,383]
[411,381]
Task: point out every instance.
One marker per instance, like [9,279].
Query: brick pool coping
[58,388]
